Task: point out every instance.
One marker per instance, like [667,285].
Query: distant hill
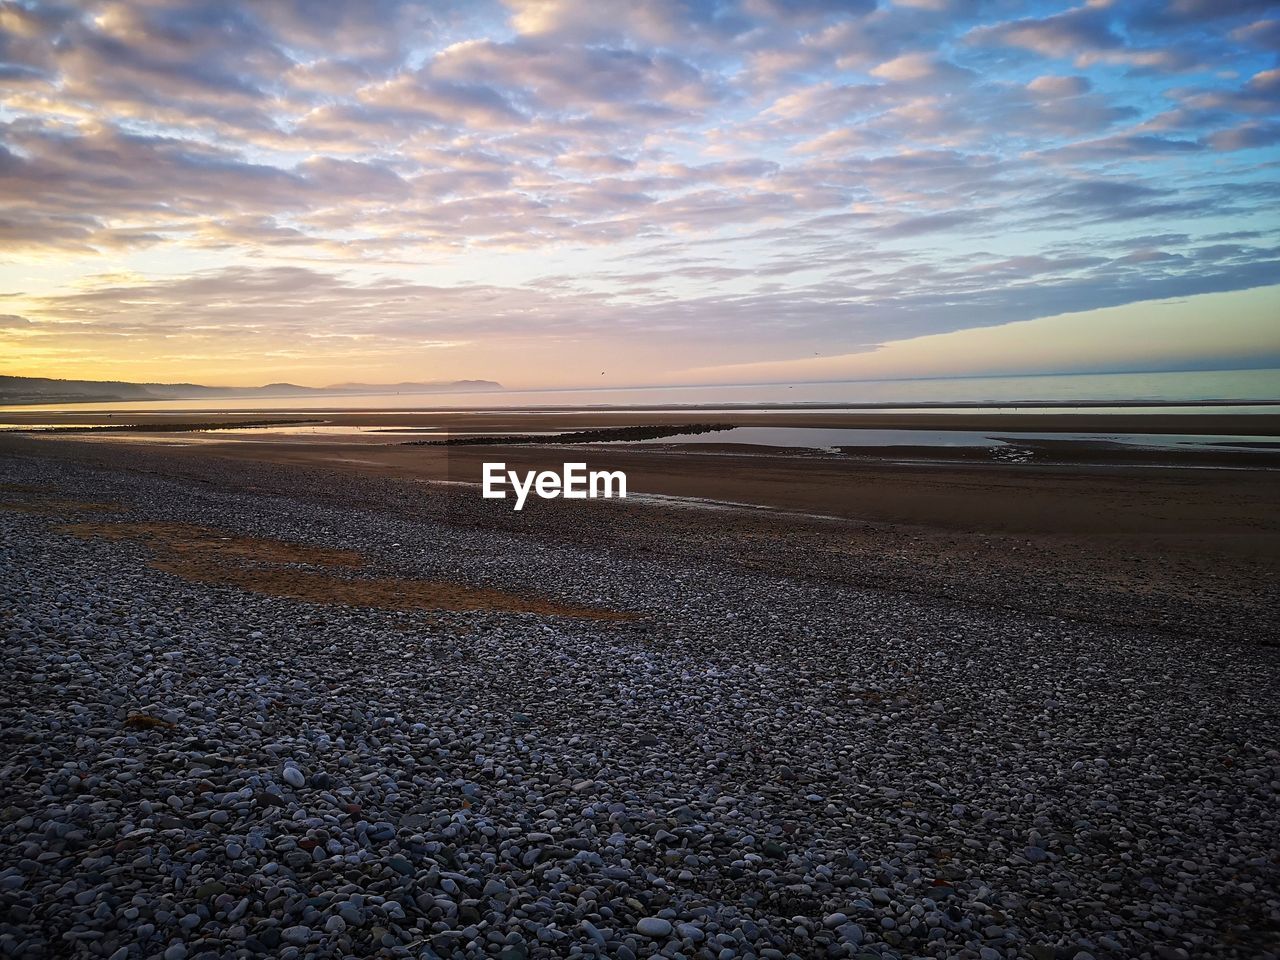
[430,386]
[44,390]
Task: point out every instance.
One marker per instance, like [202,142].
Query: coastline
[1194,550]
[575,419]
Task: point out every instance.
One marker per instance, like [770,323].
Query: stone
[654,927]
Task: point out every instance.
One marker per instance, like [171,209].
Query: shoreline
[1201,544]
[1023,440]
[1267,424]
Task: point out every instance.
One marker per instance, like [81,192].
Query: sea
[1207,391]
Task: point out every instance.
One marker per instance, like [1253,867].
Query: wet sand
[1181,548]
[1266,424]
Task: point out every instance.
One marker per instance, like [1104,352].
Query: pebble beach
[229,733]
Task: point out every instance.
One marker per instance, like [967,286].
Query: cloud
[920,68]
[427,100]
[659,22]
[1057,87]
[1117,200]
[1092,34]
[1125,146]
[1248,136]
[739,171]
[930,223]
[1195,12]
[1071,34]
[808,9]
[1263,33]
[609,80]
[1164,334]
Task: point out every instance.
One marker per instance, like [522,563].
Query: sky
[591,192]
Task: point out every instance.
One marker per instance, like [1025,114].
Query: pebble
[654,927]
[772,767]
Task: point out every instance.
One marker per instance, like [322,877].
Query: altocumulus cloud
[791,174]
